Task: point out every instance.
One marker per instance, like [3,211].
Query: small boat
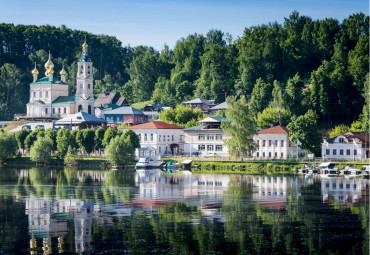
[328,168]
[149,162]
[365,172]
[171,165]
[328,176]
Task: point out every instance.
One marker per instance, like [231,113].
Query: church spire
[35,73]
[49,66]
[63,74]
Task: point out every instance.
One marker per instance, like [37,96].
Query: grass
[140,105]
[14,124]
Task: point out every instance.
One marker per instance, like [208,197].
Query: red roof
[155,125]
[275,130]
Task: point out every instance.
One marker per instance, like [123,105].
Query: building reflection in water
[48,217]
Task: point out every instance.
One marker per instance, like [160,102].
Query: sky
[159,22]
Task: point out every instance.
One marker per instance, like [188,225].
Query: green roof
[85,58]
[109,107]
[199,127]
[45,80]
[218,118]
[64,100]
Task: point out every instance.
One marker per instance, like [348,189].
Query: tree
[184,116]
[21,136]
[98,138]
[134,138]
[293,97]
[239,125]
[8,146]
[52,134]
[109,134]
[64,139]
[85,139]
[271,116]
[356,126]
[365,115]
[71,157]
[261,97]
[120,151]
[32,137]
[41,150]
[304,129]
[339,130]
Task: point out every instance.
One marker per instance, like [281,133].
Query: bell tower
[84,84]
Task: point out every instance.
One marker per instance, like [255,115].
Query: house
[163,137]
[206,139]
[99,111]
[219,107]
[49,96]
[80,120]
[152,110]
[200,103]
[273,143]
[125,114]
[110,98]
[351,145]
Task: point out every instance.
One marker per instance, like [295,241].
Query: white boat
[148,162]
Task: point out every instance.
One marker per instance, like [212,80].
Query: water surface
[71,211]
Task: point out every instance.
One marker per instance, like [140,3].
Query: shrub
[41,150]
[8,146]
[120,151]
[71,158]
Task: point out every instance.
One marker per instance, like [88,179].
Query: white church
[49,96]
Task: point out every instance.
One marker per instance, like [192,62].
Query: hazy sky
[155,23]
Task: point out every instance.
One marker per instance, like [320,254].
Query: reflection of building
[342,189]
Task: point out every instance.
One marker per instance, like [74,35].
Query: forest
[300,65]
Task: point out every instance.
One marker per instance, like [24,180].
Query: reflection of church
[49,96]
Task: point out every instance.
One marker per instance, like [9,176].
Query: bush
[8,146]
[71,158]
[120,151]
[41,150]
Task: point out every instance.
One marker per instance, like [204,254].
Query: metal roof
[64,100]
[127,110]
[45,80]
[79,117]
[221,106]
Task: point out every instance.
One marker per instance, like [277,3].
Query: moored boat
[149,162]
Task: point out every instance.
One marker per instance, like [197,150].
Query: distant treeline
[269,64]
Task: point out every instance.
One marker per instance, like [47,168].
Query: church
[49,97]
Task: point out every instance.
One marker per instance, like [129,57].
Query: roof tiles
[275,130]
[155,125]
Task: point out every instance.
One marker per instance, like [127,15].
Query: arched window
[80,108]
[89,109]
[88,86]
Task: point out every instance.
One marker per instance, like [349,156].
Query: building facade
[165,138]
[351,145]
[125,114]
[201,103]
[273,143]
[206,139]
[49,96]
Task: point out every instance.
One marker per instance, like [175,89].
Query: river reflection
[149,211]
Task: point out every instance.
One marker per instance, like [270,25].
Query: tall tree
[261,96]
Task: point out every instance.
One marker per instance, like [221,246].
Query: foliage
[52,134]
[71,158]
[134,138]
[338,130]
[356,126]
[304,129]
[261,96]
[184,116]
[41,150]
[85,139]
[64,140]
[108,135]
[31,138]
[271,116]
[239,125]
[120,151]
[21,136]
[8,146]
[98,138]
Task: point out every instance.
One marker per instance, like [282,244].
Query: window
[145,137]
[140,137]
[88,86]
[275,155]
[159,138]
[46,110]
[334,152]
[80,86]
[210,137]
[269,154]
[40,94]
[218,136]
[341,140]
[47,93]
[263,143]
[269,143]
[355,152]
[53,110]
[151,137]
[201,147]
[282,155]
[258,154]
[173,138]
[258,143]
[263,154]
[209,147]
[282,143]
[65,110]
[168,138]
[340,152]
[276,142]
[218,147]
[327,152]
[348,152]
[159,149]
[58,110]
[34,94]
[201,137]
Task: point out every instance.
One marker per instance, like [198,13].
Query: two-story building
[351,145]
[125,114]
[206,139]
[201,103]
[165,138]
[274,143]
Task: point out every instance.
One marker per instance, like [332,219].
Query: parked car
[210,155]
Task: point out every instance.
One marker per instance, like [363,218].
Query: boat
[351,170]
[365,172]
[171,165]
[328,168]
[149,162]
[308,169]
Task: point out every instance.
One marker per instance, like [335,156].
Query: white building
[206,139]
[274,143]
[351,145]
[164,138]
[49,96]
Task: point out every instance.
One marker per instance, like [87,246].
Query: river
[68,211]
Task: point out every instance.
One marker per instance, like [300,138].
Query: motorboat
[171,165]
[328,168]
[149,162]
[351,170]
[365,172]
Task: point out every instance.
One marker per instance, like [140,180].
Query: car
[210,155]
[195,153]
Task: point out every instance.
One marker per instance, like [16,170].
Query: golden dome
[35,71]
[85,46]
[49,64]
[51,72]
[63,72]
